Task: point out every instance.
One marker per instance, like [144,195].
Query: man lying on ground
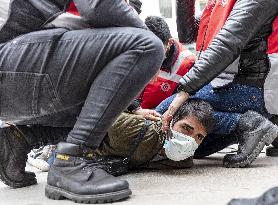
[190,125]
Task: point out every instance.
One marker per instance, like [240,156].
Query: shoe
[13,157]
[270,197]
[16,141]
[253,133]
[77,176]
[38,158]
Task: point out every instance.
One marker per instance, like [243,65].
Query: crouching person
[145,145]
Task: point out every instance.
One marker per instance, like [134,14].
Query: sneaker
[38,158]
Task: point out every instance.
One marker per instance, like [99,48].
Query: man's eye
[200,137]
[187,128]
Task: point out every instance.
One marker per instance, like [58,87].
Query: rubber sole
[56,193]
[265,141]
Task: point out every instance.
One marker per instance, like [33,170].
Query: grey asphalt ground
[207,183]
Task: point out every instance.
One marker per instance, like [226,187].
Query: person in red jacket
[178,60]
[232,69]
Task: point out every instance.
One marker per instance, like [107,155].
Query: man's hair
[200,109]
[159,27]
[136,4]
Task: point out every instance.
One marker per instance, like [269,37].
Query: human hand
[175,105]
[148,114]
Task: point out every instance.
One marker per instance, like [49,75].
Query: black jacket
[244,34]
[30,15]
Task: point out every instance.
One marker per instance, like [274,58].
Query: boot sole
[3,176]
[265,141]
[60,194]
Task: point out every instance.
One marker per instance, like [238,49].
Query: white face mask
[180,146]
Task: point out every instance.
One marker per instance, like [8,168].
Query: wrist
[134,111]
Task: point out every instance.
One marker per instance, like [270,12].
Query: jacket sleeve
[108,13]
[187,23]
[244,22]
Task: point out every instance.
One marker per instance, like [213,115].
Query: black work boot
[15,143]
[270,197]
[253,132]
[77,176]
[13,156]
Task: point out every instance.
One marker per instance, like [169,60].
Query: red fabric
[212,20]
[273,39]
[158,90]
[72,9]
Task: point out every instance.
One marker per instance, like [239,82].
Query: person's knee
[153,50]
[155,45]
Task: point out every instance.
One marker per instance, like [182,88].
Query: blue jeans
[229,102]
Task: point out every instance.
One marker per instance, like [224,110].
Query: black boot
[15,143]
[270,197]
[77,176]
[253,133]
[13,156]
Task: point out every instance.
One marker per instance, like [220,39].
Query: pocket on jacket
[24,95]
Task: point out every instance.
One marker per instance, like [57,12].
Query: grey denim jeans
[82,79]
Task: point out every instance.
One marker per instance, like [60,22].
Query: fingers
[154,113]
[152,117]
[167,118]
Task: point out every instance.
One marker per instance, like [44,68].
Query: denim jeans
[229,102]
[82,79]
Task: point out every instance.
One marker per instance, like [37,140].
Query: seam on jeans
[52,113]
[139,57]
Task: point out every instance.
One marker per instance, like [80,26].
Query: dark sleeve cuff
[134,106]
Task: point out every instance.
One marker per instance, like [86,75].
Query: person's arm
[244,22]
[148,114]
[108,13]
[187,23]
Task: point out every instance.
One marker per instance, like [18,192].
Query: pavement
[207,183]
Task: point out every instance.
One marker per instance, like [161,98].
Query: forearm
[108,13]
[243,23]
[187,24]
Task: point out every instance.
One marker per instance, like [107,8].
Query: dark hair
[159,27]
[136,4]
[200,109]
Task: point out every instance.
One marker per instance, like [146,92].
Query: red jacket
[273,39]
[166,82]
[213,19]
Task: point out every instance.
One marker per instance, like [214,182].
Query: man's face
[191,126]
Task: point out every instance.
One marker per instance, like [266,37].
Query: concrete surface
[208,183]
